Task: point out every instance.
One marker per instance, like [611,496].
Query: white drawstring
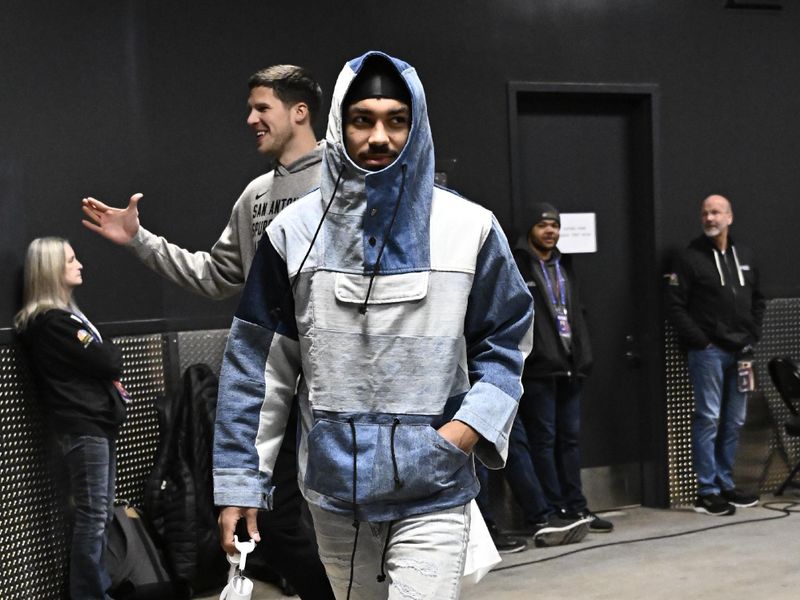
[738,267]
[719,268]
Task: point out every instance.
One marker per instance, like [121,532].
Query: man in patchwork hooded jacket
[400,305]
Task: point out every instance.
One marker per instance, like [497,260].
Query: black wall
[110,98]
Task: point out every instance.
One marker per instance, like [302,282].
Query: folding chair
[785,374]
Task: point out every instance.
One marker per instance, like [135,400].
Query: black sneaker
[738,498]
[713,504]
[557,531]
[596,524]
[505,544]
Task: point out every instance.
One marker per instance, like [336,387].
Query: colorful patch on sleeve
[84,337]
[672,279]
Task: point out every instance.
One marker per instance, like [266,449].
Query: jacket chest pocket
[386,289]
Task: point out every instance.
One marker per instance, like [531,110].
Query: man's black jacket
[703,310]
[549,357]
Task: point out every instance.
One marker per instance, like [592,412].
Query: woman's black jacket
[75,374]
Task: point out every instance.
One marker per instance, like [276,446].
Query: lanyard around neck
[559,278]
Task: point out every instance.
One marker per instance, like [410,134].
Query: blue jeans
[719,413]
[521,478]
[550,409]
[424,555]
[91,464]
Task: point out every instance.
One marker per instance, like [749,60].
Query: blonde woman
[76,373]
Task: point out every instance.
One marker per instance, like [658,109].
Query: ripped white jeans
[424,556]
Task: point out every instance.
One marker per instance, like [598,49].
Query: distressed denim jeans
[91,464]
[719,413]
[424,556]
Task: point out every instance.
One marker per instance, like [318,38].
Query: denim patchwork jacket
[380,349]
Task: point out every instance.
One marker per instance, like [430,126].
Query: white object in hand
[239,587]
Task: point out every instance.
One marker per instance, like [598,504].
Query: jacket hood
[360,219]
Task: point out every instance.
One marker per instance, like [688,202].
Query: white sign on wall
[578,233]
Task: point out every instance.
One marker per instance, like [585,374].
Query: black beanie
[378,78]
[542,211]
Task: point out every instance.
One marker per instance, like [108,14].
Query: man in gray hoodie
[284,100]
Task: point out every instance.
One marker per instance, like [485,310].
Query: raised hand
[116,224]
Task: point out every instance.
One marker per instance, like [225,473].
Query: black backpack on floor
[179,499]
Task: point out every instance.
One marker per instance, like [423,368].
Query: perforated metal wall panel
[145,361]
[680,402]
[34,532]
[202,347]
[33,528]
[781,337]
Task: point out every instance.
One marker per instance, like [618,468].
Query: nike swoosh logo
[261,194]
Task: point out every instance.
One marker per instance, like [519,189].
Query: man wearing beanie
[400,304]
[553,376]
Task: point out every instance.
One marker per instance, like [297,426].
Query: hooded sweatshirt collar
[302,163]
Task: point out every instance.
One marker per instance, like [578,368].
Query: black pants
[288,545]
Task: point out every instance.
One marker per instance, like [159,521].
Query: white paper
[481,553]
[578,233]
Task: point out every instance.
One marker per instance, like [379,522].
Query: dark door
[591,151]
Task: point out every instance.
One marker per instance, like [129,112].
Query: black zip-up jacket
[75,374]
[709,305]
[549,358]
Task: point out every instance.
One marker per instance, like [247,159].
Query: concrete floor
[752,555]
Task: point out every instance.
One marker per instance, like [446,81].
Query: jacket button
[372,241]
[373,212]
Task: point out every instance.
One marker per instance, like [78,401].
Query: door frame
[653,453]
